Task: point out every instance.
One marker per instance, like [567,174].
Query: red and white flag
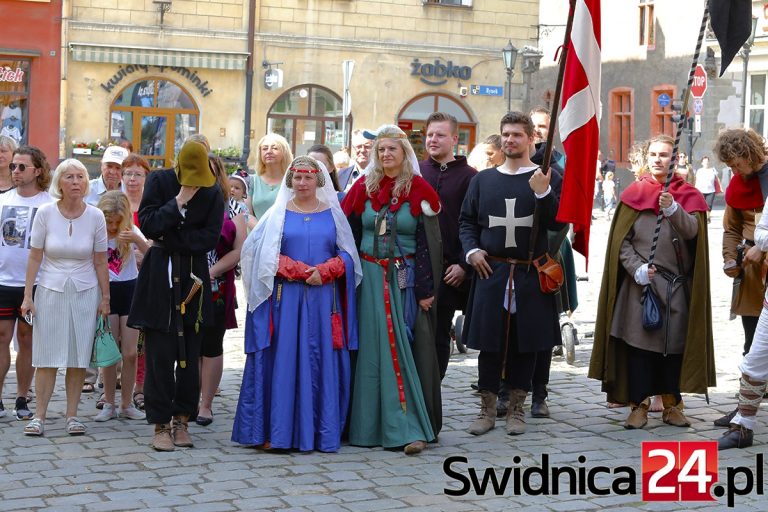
[579,121]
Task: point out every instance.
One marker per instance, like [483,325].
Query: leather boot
[673,412]
[163,442]
[736,437]
[486,420]
[515,415]
[724,421]
[638,417]
[181,432]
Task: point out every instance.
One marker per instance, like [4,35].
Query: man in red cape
[632,362]
[744,151]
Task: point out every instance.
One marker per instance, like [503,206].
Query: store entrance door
[413,116]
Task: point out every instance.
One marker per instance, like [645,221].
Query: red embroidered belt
[384,263]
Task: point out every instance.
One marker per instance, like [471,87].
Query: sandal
[75,427]
[138,400]
[88,387]
[34,428]
[100,402]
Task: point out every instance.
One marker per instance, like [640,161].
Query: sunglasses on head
[21,167]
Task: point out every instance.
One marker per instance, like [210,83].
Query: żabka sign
[9,75]
[439,72]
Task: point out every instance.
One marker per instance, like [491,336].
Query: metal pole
[747,49]
[509,90]
[249,84]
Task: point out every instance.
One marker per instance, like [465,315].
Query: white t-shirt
[705,180]
[17,214]
[122,269]
[68,256]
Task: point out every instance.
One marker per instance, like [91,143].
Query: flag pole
[558,89]
[680,123]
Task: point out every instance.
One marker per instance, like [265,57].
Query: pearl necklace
[302,211]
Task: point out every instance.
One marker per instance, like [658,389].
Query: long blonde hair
[375,171]
[114,203]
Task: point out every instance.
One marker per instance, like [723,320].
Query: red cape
[744,194]
[643,194]
[354,201]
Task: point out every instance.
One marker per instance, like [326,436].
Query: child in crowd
[238,188]
[609,194]
[123,237]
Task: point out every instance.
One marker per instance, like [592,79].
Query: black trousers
[750,324]
[449,300]
[652,373]
[518,367]
[541,375]
[169,389]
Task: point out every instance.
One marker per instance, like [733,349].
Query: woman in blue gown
[300,269]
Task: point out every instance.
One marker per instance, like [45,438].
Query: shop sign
[438,73]
[7,74]
[190,75]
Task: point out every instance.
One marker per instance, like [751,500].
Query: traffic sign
[698,106]
[664,99]
[699,86]
[697,123]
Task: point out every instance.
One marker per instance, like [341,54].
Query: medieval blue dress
[296,386]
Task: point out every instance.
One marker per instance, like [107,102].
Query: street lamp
[509,55]
[531,63]
[745,51]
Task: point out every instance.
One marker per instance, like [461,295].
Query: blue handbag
[652,319]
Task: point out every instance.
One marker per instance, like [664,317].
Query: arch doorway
[413,116]
[156,115]
[307,115]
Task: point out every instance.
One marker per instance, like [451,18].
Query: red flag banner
[579,121]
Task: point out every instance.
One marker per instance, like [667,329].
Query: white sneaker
[131,413]
[106,414]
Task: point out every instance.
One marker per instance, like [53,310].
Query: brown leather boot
[163,442]
[638,417]
[673,412]
[515,414]
[486,420]
[181,432]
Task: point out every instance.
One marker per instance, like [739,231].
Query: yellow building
[155,72]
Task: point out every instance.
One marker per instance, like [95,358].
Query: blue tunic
[295,391]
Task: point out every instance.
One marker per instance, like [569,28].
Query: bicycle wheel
[459,327]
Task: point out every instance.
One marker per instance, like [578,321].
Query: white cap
[115,155]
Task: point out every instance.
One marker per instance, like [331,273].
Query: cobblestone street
[113,467]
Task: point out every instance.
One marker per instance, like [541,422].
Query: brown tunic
[740,225]
[627,318]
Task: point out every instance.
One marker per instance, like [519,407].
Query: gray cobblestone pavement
[112,467]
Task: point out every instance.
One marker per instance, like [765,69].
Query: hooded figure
[182,211]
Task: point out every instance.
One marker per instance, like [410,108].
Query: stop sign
[699,86]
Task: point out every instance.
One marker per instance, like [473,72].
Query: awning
[83,52]
[14,52]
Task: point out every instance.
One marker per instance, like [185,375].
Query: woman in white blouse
[72,288]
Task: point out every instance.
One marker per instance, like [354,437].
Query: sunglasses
[21,167]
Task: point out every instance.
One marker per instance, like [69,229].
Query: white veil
[261,249]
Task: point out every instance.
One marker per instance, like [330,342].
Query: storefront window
[413,116]
[307,115]
[156,115]
[14,98]
[756,108]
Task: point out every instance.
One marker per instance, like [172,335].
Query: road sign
[698,106]
[697,123]
[699,86]
[487,90]
[664,100]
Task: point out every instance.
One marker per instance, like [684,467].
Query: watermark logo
[678,470]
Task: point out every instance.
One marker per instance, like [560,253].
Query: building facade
[647,49]
[155,77]
[30,66]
